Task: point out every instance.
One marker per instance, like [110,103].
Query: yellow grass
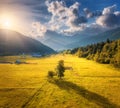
[88,85]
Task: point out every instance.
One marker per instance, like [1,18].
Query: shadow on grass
[90,96]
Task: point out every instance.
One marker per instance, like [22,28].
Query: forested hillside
[104,52]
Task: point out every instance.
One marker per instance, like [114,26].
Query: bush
[51,74]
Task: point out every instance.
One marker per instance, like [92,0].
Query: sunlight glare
[6,22]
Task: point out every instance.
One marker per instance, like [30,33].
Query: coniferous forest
[104,52]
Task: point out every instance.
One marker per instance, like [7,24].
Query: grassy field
[88,85]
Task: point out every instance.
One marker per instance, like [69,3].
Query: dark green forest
[104,52]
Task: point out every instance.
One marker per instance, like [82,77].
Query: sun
[7,23]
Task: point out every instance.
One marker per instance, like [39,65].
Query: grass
[88,85]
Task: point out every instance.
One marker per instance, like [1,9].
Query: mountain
[111,34]
[12,43]
[60,42]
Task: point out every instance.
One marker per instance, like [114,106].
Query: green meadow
[88,85]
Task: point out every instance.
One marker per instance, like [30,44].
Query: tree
[60,69]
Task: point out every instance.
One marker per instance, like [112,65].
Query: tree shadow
[90,96]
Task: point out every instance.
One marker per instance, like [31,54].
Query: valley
[88,85]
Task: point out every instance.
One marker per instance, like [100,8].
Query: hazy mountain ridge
[60,42]
[111,34]
[12,42]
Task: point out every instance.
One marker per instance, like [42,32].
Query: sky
[68,17]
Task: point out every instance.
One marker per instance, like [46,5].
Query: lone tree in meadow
[60,69]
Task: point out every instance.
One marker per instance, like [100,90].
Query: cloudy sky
[67,17]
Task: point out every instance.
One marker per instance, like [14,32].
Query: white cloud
[109,18]
[74,30]
[69,21]
[109,10]
[40,28]
[56,8]
[90,14]
[65,17]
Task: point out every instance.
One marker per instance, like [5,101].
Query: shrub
[51,74]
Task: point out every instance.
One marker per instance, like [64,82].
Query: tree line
[104,52]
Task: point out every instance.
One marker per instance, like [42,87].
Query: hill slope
[12,43]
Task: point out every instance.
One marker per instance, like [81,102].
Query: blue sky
[36,17]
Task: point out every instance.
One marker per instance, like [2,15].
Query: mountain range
[12,43]
[61,42]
